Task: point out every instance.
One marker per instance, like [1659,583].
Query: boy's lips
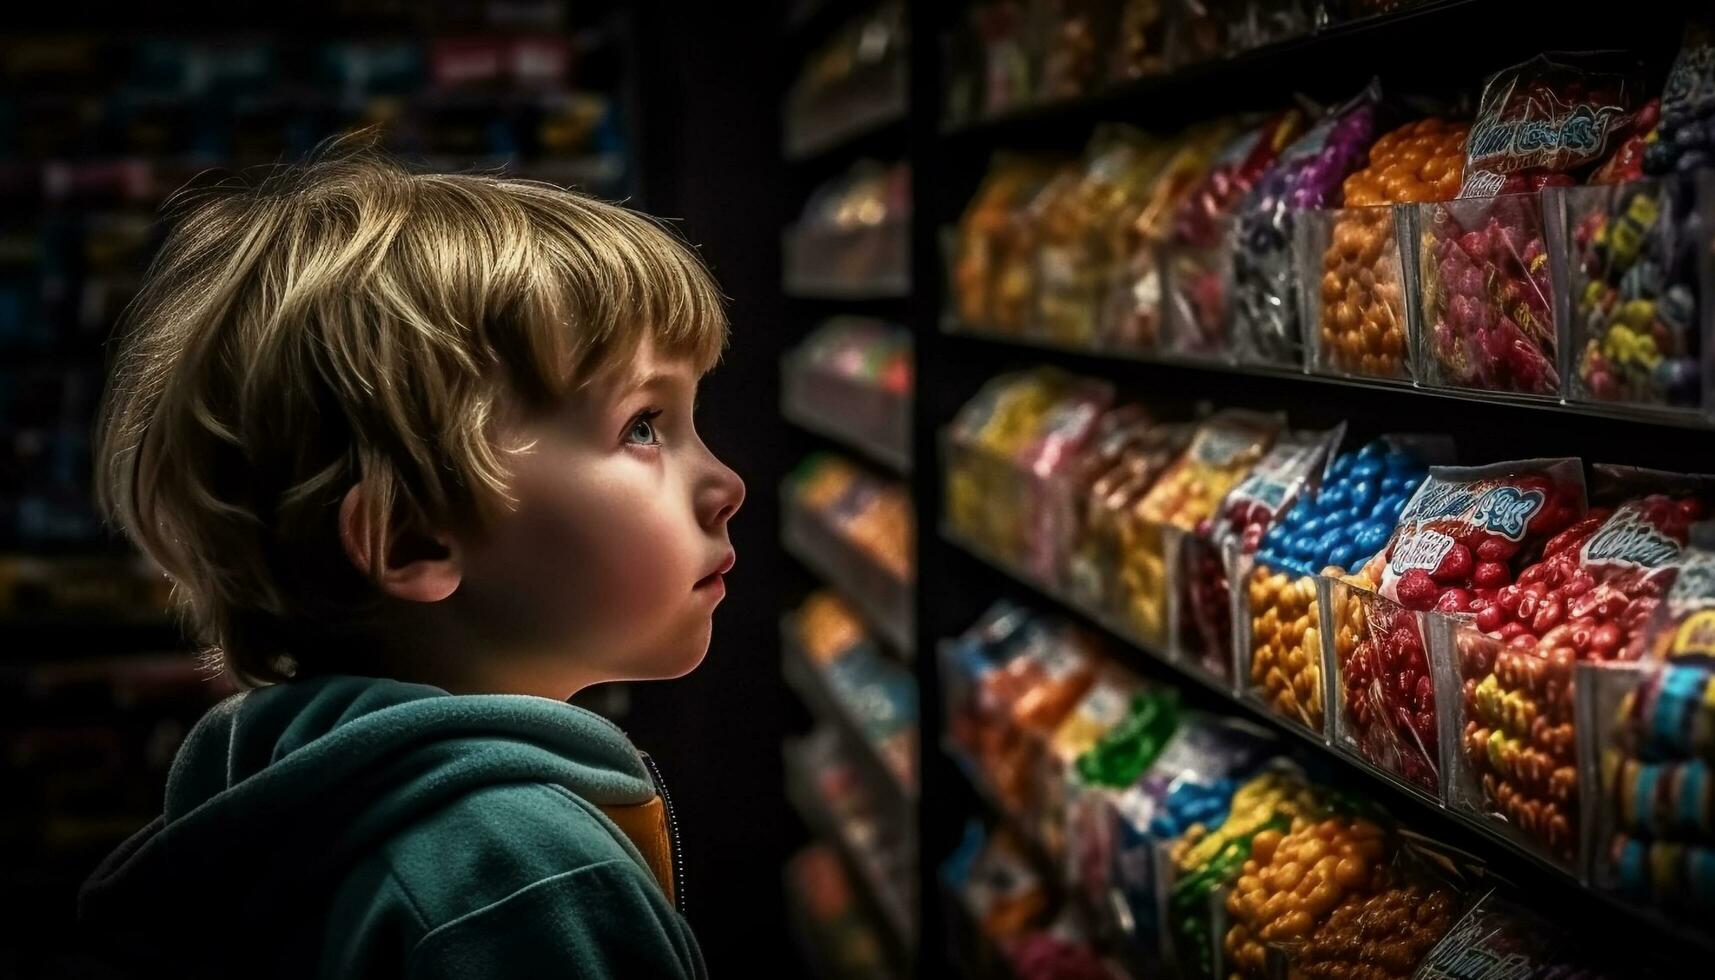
[714,579]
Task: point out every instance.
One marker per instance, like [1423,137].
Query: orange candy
[1363,322]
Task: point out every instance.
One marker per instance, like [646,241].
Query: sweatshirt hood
[276,791]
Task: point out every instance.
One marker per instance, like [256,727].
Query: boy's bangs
[625,279]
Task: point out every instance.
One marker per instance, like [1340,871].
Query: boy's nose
[721,497]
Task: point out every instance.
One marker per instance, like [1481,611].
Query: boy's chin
[681,659]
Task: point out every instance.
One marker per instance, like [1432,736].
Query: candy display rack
[1362,325]
[811,683]
[882,889]
[883,597]
[866,417]
[859,263]
[847,104]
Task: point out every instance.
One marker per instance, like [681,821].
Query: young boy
[417,453]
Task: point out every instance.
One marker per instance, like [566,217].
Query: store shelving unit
[882,597]
[857,416]
[864,271]
[887,906]
[1409,51]
[812,685]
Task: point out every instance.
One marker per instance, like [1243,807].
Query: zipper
[672,832]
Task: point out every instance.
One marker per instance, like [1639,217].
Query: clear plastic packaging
[1589,599]
[1134,313]
[1266,305]
[1516,761]
[1197,280]
[993,268]
[1652,823]
[1486,282]
[1388,679]
[1280,647]
[1224,450]
[1197,260]
[1635,292]
[1357,291]
[1215,558]
[1082,233]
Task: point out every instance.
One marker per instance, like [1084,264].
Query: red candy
[1491,575]
[1598,583]
[1453,552]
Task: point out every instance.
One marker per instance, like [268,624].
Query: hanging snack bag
[1456,544]
[1308,175]
[1208,556]
[1589,599]
[1223,451]
[1198,258]
[1487,287]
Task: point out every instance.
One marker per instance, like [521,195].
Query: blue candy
[1375,447]
[1333,497]
[1364,495]
[1370,537]
[1346,555]
[1326,544]
[1313,526]
[1365,469]
[1342,466]
[1385,506]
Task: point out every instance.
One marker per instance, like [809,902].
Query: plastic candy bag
[1308,175]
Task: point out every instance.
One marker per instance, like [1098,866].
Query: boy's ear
[417,566]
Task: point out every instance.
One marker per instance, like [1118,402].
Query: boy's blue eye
[642,431]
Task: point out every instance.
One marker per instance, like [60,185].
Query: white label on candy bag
[1105,704]
[1694,589]
[1507,510]
[1424,551]
[1061,662]
[1219,446]
[1629,539]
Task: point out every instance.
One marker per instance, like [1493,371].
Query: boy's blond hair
[348,320]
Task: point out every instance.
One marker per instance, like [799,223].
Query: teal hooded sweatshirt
[345,827]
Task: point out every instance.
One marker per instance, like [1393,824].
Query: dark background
[699,89]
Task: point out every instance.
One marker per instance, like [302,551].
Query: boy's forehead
[647,368]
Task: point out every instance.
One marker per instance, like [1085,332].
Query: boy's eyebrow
[655,379]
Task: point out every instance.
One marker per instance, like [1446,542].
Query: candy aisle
[1310,403]
[847,517]
[98,124]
